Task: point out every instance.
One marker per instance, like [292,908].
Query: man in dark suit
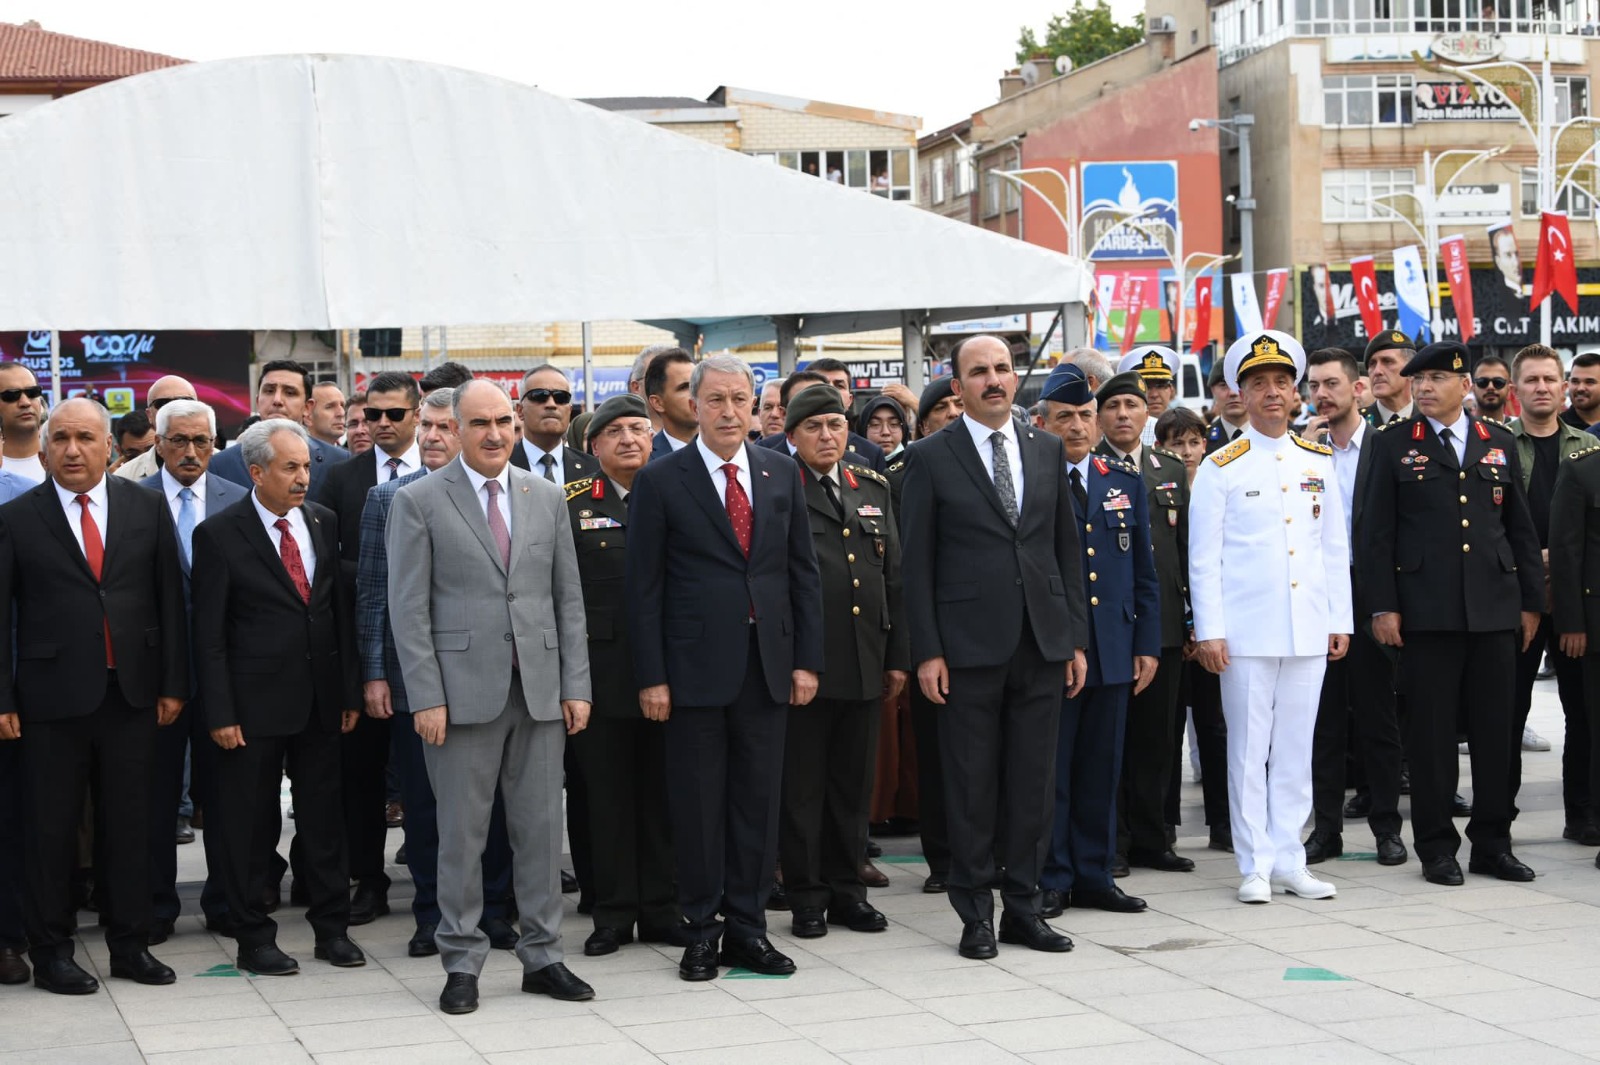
[277,671]
[994,595]
[621,753]
[666,392]
[390,412]
[726,631]
[1575,582]
[857,447]
[1449,565]
[186,430]
[283,392]
[829,749]
[97,658]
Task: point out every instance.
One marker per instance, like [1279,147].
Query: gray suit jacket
[457,611]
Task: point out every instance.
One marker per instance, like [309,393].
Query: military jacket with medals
[599,532]
[1166,483]
[1119,570]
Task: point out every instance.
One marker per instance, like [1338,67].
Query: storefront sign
[1461,101]
[1467,46]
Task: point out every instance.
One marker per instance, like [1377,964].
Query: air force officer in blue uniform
[1108,498]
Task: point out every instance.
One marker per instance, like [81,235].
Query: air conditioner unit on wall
[1160,24]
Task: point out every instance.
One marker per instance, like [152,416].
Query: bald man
[163,391]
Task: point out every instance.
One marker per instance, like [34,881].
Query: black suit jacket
[55,654]
[692,590]
[969,577]
[1450,545]
[344,491]
[600,534]
[1575,545]
[575,465]
[859,450]
[267,661]
[229,464]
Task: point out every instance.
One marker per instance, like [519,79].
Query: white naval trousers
[1270,705]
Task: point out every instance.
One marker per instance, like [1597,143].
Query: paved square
[1393,969]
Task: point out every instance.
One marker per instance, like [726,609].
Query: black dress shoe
[13,968]
[569,883]
[1460,807]
[1322,846]
[699,961]
[1443,870]
[501,932]
[936,884]
[422,944]
[1166,861]
[1033,933]
[1112,900]
[977,941]
[603,941]
[874,850]
[757,955]
[161,930]
[1359,804]
[1501,867]
[858,917]
[1585,833]
[367,905]
[1221,840]
[557,981]
[674,935]
[266,960]
[1390,850]
[185,832]
[63,976]
[460,994]
[339,951]
[1119,866]
[808,924]
[142,968]
[400,855]
[777,897]
[1052,903]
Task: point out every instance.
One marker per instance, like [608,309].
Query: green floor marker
[1358,856]
[221,970]
[902,859]
[1312,974]
[737,973]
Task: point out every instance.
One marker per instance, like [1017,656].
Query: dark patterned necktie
[1003,485]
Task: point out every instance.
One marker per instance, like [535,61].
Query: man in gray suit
[487,610]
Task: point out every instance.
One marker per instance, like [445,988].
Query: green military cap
[626,405]
[810,402]
[1129,383]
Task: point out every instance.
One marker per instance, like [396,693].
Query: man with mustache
[163,390]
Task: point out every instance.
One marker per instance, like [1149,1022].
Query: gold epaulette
[579,487]
[896,467]
[1585,452]
[1311,445]
[1125,465]
[1386,426]
[1232,451]
[1166,453]
[864,472]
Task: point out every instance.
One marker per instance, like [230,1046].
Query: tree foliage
[1083,34]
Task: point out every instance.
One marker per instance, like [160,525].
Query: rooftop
[30,53]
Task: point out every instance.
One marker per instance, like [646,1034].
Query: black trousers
[997,739]
[724,782]
[1150,750]
[829,756]
[1575,793]
[178,739]
[1357,711]
[578,820]
[248,783]
[1441,673]
[12,817]
[364,765]
[1202,696]
[111,750]
[624,765]
[931,817]
[1591,700]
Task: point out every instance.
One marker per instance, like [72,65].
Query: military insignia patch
[1499,495]
[1232,451]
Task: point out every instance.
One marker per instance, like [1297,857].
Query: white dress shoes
[1255,888]
[1302,883]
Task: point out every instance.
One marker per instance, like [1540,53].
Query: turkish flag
[1202,314]
[1277,285]
[1555,270]
[1366,282]
[1130,319]
[1454,252]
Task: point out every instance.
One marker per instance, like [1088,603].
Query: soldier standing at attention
[1270,581]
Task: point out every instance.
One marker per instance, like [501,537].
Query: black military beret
[1123,384]
[810,402]
[934,394]
[1216,377]
[626,405]
[1448,355]
[1389,338]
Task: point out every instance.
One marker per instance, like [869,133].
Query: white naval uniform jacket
[1269,557]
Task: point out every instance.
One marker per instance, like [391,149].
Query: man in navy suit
[283,392]
[186,432]
[1108,498]
[726,630]
[666,392]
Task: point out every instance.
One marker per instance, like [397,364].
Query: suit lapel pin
[524,489]
[764,473]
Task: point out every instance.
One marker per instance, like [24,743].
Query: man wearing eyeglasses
[186,433]
[1489,380]
[546,406]
[283,392]
[391,416]
[22,412]
[165,390]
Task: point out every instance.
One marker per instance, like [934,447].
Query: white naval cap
[1255,351]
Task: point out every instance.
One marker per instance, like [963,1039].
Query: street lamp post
[1240,126]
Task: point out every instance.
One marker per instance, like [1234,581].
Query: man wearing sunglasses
[22,413]
[546,407]
[164,391]
[283,392]
[1490,381]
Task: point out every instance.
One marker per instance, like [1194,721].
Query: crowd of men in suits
[676,627]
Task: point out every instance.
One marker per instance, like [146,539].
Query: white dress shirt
[171,486]
[719,480]
[536,455]
[980,439]
[410,462]
[297,528]
[674,443]
[1458,435]
[1385,415]
[478,480]
[97,510]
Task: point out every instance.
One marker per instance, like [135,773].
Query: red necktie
[289,551]
[738,505]
[94,550]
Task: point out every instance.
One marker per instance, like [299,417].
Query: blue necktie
[186,522]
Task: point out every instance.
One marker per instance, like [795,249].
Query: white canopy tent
[338,192]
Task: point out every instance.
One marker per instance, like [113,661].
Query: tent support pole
[911,351]
[785,326]
[1074,327]
[589,403]
[55,369]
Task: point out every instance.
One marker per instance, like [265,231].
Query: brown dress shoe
[13,969]
[871,875]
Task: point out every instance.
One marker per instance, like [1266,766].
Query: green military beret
[626,405]
[810,402]
[1128,383]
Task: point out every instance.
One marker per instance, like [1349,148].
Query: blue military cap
[1067,384]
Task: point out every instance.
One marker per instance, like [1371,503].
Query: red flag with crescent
[1365,278]
[1202,314]
[1453,250]
[1277,285]
[1130,318]
[1556,269]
